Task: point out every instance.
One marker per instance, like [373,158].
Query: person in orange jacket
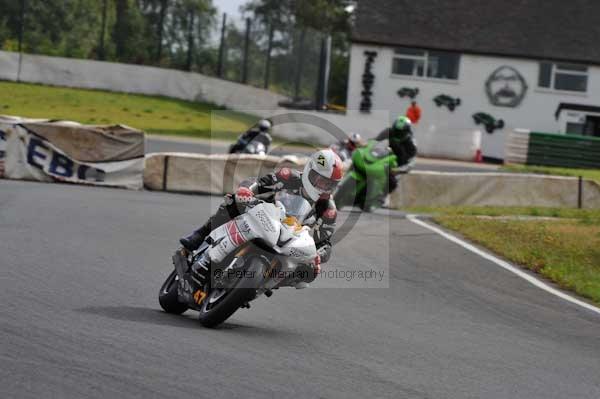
[414,112]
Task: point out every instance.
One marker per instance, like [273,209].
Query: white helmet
[356,138]
[264,125]
[322,173]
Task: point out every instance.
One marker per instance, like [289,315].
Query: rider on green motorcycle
[402,142]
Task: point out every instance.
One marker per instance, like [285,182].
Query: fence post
[21,33]
[101,53]
[580,193]
[222,47]
[323,82]
[299,65]
[246,50]
[161,23]
[190,49]
[268,62]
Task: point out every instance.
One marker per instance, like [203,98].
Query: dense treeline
[299,26]
[183,34]
[158,32]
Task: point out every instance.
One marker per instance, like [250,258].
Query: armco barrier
[209,174]
[493,189]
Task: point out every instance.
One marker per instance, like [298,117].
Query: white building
[532,64]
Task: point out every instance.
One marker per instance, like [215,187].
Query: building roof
[576,107]
[543,29]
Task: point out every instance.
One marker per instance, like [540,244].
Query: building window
[575,128]
[567,77]
[422,63]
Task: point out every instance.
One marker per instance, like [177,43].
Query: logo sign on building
[506,87]
[367,80]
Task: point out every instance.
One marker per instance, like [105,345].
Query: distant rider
[261,132]
[414,112]
[315,183]
[346,147]
[403,145]
[352,142]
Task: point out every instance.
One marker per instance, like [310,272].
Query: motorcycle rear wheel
[244,290]
[167,296]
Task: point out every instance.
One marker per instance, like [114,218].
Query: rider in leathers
[316,183]
[402,142]
[259,132]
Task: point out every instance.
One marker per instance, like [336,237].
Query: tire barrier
[493,189]
[63,151]
[209,174]
[558,150]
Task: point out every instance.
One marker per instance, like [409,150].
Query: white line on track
[504,264]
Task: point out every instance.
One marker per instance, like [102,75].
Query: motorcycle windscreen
[380,150]
[295,205]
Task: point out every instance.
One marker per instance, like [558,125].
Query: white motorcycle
[267,247]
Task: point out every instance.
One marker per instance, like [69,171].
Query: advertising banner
[69,152]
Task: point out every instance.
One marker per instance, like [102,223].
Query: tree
[161,27]
[322,15]
[55,27]
[188,26]
[156,14]
[128,33]
[309,16]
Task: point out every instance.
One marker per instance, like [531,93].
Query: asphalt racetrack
[81,267]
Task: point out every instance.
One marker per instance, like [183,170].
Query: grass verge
[158,115]
[584,215]
[565,250]
[591,174]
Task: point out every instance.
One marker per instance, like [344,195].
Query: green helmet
[401,123]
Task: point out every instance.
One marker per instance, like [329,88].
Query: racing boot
[193,241]
[225,213]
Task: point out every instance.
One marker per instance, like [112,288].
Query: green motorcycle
[366,183]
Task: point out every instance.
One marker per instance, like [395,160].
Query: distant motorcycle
[365,184]
[277,250]
[346,147]
[344,153]
[258,145]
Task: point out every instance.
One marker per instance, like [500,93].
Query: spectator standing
[414,112]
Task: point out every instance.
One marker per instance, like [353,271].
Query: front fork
[187,294]
[184,290]
[180,261]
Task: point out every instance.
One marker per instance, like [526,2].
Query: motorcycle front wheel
[167,296]
[220,304]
